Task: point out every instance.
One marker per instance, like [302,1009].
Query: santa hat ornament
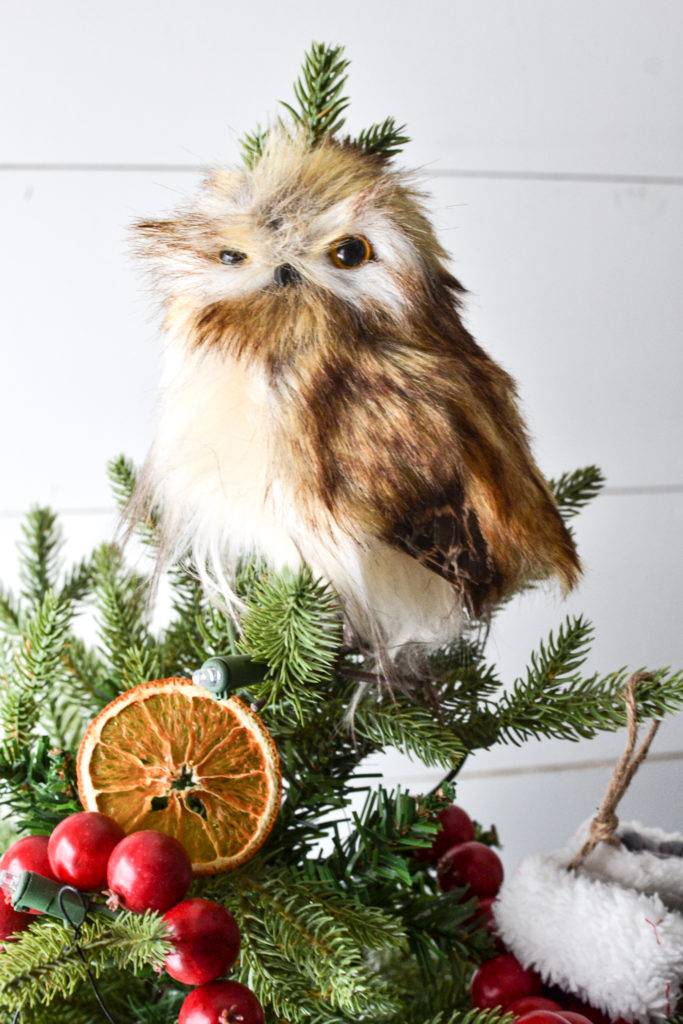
[603,918]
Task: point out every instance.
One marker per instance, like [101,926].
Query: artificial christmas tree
[356,931]
[338,921]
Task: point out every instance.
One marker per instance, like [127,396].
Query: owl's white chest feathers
[215,471]
[212,462]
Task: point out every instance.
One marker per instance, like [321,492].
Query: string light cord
[77,925]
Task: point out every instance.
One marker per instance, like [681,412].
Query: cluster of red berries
[462,862]
[503,982]
[145,870]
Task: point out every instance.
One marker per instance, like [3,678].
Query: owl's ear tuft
[156,239]
[154,229]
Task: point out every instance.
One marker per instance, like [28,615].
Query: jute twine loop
[605,822]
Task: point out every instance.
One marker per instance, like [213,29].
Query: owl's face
[305,231]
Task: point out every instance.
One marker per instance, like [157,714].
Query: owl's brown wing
[447,539]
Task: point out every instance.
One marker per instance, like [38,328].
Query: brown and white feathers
[323,403]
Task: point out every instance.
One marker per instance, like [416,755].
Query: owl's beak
[286,274]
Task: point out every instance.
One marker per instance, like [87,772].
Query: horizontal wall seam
[590,177]
[104,510]
[560,766]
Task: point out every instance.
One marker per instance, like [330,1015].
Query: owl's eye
[350,252]
[232,257]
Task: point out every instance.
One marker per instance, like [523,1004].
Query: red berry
[456,827]
[528,1003]
[574,1018]
[11,920]
[149,871]
[500,981]
[206,941]
[28,854]
[221,1002]
[471,864]
[575,1005]
[541,1017]
[80,846]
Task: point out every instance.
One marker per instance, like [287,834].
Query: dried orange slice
[169,756]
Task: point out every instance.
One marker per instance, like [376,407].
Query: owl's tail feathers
[543,548]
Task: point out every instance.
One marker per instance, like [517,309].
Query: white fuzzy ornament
[608,932]
[601,918]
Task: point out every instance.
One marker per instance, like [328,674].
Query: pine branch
[293,624]
[318,92]
[39,552]
[19,714]
[318,783]
[10,614]
[68,711]
[122,478]
[216,634]
[76,585]
[37,669]
[38,786]
[145,999]
[87,667]
[121,600]
[459,1016]
[43,963]
[400,722]
[306,926]
[573,491]
[385,139]
[446,931]
[80,1008]
[556,701]
[140,664]
[375,859]
[40,654]
[253,146]
[327,983]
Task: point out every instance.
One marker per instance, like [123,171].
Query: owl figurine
[323,404]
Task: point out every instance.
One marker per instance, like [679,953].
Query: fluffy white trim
[607,937]
[645,871]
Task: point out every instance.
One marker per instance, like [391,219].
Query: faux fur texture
[646,871]
[346,420]
[607,932]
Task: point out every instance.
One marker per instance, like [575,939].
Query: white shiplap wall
[551,138]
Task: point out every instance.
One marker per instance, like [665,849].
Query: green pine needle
[253,146]
[10,616]
[122,479]
[319,109]
[43,962]
[573,491]
[293,624]
[38,786]
[122,611]
[39,560]
[318,92]
[385,139]
[555,700]
[39,656]
[413,728]
[293,924]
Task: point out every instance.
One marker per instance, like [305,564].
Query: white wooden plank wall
[550,136]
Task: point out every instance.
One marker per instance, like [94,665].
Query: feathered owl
[322,401]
